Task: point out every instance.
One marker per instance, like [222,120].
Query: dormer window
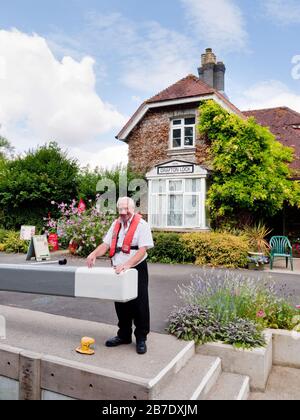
[183,133]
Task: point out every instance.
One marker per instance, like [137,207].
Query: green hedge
[217,249]
[169,249]
[201,248]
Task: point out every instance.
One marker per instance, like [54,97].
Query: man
[128,240]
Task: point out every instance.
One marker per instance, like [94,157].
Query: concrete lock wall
[31,376]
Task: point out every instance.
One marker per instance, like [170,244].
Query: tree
[29,184]
[5,148]
[250,167]
[88,180]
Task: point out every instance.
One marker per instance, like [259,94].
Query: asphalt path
[164,282]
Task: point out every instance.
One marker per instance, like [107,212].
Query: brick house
[165,147]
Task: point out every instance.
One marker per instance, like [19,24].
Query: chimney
[211,71]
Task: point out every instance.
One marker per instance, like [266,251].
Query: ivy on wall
[250,167]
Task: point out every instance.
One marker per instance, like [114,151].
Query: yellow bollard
[85,348]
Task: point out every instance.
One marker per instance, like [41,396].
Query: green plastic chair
[281,247]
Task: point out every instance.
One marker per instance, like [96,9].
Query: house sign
[175,170]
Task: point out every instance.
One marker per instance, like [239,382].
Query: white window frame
[183,193]
[182,127]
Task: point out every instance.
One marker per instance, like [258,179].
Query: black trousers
[136,311]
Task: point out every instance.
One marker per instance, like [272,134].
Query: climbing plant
[251,171]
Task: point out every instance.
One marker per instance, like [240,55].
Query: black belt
[118,250]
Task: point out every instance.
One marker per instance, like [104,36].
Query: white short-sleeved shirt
[141,238]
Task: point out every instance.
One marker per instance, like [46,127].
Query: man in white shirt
[128,240]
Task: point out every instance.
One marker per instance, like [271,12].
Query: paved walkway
[280,267]
[283,384]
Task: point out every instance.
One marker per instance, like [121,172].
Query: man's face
[124,211]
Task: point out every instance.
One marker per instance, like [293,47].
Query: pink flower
[260,314]
[298,307]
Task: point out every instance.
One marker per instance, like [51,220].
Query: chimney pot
[212,72]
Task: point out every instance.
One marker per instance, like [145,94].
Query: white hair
[130,202]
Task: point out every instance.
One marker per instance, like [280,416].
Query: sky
[74,71]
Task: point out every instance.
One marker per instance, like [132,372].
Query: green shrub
[217,249]
[13,244]
[30,182]
[169,249]
[3,234]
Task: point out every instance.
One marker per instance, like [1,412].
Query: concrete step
[194,380]
[283,385]
[230,387]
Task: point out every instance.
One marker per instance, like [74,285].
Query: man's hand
[91,260]
[120,268]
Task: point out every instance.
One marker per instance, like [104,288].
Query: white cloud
[43,98]
[164,57]
[220,23]
[269,94]
[283,11]
[104,158]
[150,56]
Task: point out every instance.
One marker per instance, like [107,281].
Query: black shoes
[141,347]
[116,341]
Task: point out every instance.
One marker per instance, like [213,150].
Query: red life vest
[128,238]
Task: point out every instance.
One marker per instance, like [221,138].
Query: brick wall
[149,141]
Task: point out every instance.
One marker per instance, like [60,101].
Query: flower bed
[230,315]
[79,230]
[231,308]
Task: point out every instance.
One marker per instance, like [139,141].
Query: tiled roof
[188,87]
[284,123]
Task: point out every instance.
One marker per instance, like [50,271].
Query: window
[175,203]
[183,133]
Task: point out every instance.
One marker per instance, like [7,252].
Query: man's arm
[132,261]
[99,252]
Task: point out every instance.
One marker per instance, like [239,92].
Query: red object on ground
[81,206]
[53,242]
[73,247]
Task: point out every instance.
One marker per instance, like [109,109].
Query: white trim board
[125,132]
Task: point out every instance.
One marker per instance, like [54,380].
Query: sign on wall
[27,232]
[175,170]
